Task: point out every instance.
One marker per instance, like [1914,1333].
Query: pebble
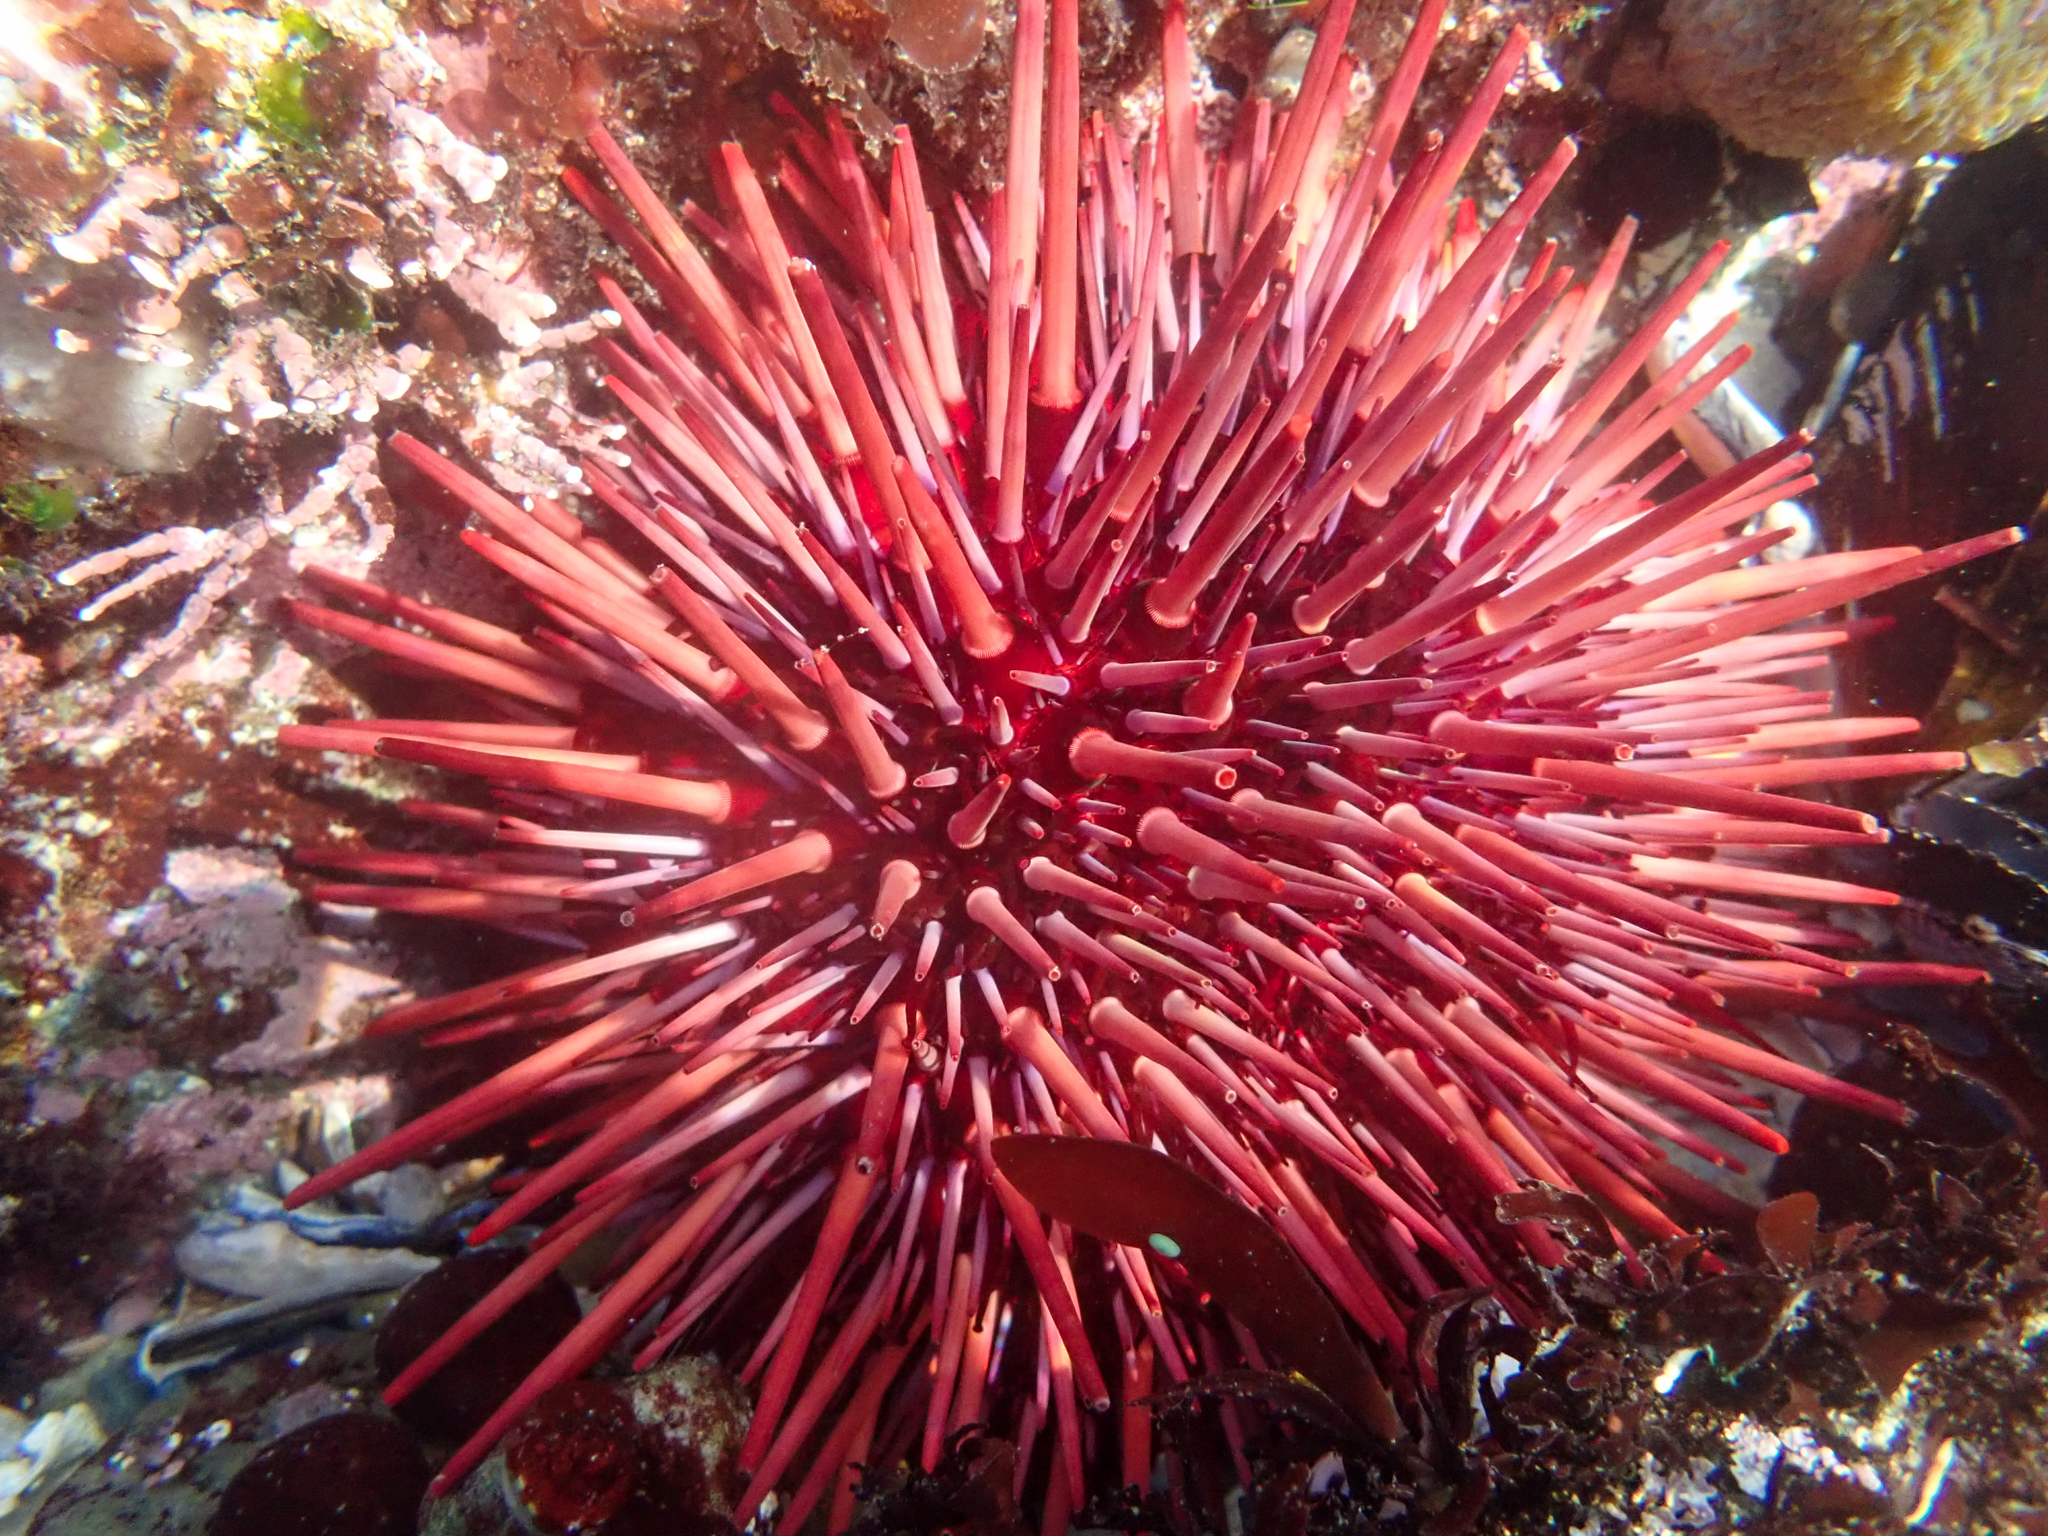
[349,1474]
[411,1197]
[37,1456]
[454,1403]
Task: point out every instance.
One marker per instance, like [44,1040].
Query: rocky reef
[245,243]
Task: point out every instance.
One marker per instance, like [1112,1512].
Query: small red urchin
[1368,951]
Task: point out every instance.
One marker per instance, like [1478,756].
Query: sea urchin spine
[1183,669]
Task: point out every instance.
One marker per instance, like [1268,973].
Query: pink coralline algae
[1190,666]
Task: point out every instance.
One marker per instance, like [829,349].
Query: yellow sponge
[1902,78]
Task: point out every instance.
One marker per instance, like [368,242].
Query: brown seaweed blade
[1120,1193]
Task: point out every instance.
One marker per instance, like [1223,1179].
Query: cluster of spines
[1366,976]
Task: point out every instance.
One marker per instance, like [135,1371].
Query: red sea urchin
[1235,647]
